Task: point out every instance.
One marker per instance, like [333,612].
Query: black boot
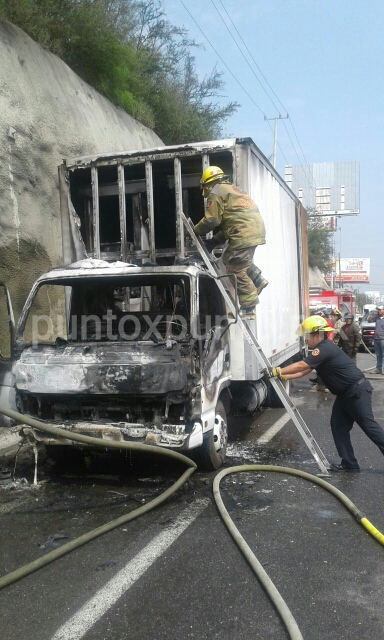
[261,285]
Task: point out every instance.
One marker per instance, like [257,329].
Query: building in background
[327,186]
[375,296]
[328,191]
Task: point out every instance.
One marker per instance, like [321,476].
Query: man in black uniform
[353,392]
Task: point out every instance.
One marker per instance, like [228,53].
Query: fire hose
[266,582]
[113,524]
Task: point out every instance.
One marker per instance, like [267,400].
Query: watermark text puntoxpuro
[129,327]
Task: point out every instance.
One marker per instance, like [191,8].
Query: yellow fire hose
[367,350]
[280,605]
[113,524]
[263,577]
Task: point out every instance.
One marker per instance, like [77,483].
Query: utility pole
[333,268]
[276,118]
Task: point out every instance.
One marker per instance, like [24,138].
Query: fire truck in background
[342,299]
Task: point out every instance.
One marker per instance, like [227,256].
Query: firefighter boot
[261,285]
[248,303]
[255,274]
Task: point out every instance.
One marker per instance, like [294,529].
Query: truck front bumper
[172,436]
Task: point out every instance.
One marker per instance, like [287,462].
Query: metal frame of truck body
[283,259]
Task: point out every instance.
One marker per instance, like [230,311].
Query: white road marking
[274,429]
[77,626]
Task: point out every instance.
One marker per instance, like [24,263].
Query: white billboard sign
[354,269]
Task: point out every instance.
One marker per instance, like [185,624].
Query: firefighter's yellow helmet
[312,325]
[210,174]
[336,312]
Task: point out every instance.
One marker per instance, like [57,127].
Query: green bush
[128,51]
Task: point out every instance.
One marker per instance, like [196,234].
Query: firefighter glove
[211,243]
[275,372]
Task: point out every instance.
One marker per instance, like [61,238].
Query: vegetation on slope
[130,52]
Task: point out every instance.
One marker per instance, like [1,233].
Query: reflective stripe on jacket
[234,214]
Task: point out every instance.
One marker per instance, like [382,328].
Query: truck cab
[118,351]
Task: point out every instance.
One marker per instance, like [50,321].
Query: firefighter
[336,318]
[350,337]
[326,313]
[352,390]
[232,215]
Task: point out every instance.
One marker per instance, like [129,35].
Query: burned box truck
[130,339]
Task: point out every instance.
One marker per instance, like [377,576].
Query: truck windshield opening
[146,307]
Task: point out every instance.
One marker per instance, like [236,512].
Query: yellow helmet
[210,174]
[312,325]
[336,312]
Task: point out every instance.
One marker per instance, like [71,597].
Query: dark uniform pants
[354,406]
[349,350]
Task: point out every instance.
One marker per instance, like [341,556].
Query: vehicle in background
[367,328]
[131,339]
[369,307]
[342,299]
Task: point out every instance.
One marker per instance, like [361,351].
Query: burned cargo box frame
[128,208]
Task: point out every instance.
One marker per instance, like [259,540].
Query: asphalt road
[175,573]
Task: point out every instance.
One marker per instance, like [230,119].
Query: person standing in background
[336,319]
[378,338]
[350,337]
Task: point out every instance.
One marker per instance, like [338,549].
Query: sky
[323,60]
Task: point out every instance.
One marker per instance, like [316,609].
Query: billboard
[326,189]
[352,270]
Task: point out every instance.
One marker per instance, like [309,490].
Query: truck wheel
[211,454]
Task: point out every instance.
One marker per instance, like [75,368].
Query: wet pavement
[197,585]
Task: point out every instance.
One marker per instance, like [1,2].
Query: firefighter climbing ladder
[262,359]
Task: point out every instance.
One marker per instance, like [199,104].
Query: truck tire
[211,455]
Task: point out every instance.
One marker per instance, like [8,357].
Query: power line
[233,75]
[260,71]
[305,169]
[219,56]
[239,48]
[254,61]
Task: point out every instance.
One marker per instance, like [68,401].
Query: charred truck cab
[130,340]
[118,351]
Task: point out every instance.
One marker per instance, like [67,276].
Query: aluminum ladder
[262,359]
